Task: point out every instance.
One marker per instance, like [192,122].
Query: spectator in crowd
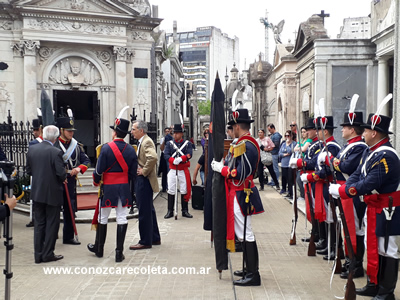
[193,143]
[46,166]
[204,138]
[229,132]
[293,129]
[199,166]
[302,147]
[276,139]
[267,145]
[285,153]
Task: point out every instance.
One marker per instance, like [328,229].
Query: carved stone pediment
[98,6]
[75,27]
[74,71]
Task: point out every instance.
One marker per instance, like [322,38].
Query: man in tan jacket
[146,184]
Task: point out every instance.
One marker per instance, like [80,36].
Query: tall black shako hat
[310,124]
[240,115]
[120,124]
[36,123]
[66,121]
[353,118]
[377,121]
[179,127]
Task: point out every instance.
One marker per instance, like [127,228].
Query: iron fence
[14,141]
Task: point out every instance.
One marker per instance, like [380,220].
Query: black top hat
[121,125]
[240,116]
[328,120]
[66,123]
[353,119]
[36,123]
[178,128]
[378,122]
[310,124]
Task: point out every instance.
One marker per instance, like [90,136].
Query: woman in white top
[267,145]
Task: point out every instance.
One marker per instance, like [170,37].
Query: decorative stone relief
[141,6]
[45,53]
[77,4]
[4,98]
[123,53]
[29,47]
[137,35]
[65,26]
[6,25]
[75,71]
[105,57]
[105,88]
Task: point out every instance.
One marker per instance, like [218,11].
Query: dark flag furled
[218,181]
[47,110]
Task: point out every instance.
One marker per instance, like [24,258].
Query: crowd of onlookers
[281,151]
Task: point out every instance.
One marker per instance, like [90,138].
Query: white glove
[217,165]
[334,190]
[303,178]
[293,163]
[321,158]
[177,161]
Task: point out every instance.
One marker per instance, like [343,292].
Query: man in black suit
[45,164]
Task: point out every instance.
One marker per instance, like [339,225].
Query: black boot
[321,244]
[388,272]
[185,208]
[371,289]
[171,201]
[98,246]
[252,277]
[359,256]
[121,232]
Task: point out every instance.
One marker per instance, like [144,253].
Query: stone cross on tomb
[323,15]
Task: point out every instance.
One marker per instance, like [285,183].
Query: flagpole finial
[217,77]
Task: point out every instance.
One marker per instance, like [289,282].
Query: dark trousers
[148,227]
[260,173]
[287,180]
[47,223]
[163,170]
[273,174]
[68,229]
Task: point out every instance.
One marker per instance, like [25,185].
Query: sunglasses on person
[291,125]
[287,135]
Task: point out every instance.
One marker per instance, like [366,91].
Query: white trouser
[120,211]
[392,245]
[172,182]
[239,224]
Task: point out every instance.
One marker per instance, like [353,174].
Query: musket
[176,195]
[295,213]
[311,244]
[247,202]
[71,211]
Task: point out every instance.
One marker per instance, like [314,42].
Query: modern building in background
[205,52]
[355,28]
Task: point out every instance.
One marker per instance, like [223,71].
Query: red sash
[231,190]
[375,204]
[319,211]
[348,209]
[116,177]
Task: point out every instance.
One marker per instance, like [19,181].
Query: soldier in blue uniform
[37,131]
[239,168]
[307,166]
[321,176]
[376,180]
[116,165]
[76,161]
[345,163]
[177,153]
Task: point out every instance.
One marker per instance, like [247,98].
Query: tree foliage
[204,107]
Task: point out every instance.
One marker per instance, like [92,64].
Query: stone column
[122,54]
[106,114]
[383,83]
[29,49]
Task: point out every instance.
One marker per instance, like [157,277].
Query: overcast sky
[242,18]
